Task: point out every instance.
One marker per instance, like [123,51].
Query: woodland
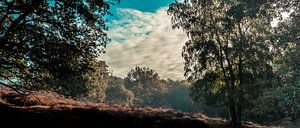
[239,65]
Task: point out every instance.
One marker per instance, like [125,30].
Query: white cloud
[145,39]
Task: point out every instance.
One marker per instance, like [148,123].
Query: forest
[241,66]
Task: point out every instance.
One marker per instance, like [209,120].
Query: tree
[146,86]
[178,96]
[57,40]
[98,81]
[227,56]
[287,36]
[117,93]
[280,102]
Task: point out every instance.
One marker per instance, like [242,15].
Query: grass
[49,110]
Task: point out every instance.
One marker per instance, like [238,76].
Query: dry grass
[47,106]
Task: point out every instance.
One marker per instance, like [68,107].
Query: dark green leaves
[56,39]
[228,51]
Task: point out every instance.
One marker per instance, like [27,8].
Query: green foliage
[275,104]
[202,92]
[227,56]
[116,92]
[288,61]
[269,106]
[98,79]
[146,86]
[57,40]
[175,95]
[288,70]
[178,97]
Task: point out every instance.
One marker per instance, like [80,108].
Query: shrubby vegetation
[117,93]
[271,105]
[143,88]
[147,87]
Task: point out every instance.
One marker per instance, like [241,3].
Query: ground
[48,111]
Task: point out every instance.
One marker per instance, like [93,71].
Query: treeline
[142,87]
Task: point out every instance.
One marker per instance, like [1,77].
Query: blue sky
[144,5]
[140,5]
[142,35]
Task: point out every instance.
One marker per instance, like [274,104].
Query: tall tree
[146,86]
[287,35]
[45,39]
[227,56]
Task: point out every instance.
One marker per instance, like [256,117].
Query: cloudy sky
[141,35]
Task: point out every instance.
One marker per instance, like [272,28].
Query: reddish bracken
[50,110]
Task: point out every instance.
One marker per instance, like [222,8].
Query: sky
[141,35]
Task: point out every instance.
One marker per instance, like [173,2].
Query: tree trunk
[232,113]
[236,115]
[239,115]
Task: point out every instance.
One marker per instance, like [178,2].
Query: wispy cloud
[145,39]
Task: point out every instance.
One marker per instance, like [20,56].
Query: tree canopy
[42,40]
[287,35]
[228,55]
[146,85]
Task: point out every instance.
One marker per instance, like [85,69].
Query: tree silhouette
[146,86]
[227,56]
[42,40]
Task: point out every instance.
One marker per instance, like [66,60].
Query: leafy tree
[146,86]
[57,40]
[280,102]
[117,93]
[287,41]
[98,79]
[274,104]
[227,57]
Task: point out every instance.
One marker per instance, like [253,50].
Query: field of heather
[51,111]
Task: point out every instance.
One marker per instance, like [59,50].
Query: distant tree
[57,40]
[116,92]
[98,81]
[178,96]
[227,57]
[146,86]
